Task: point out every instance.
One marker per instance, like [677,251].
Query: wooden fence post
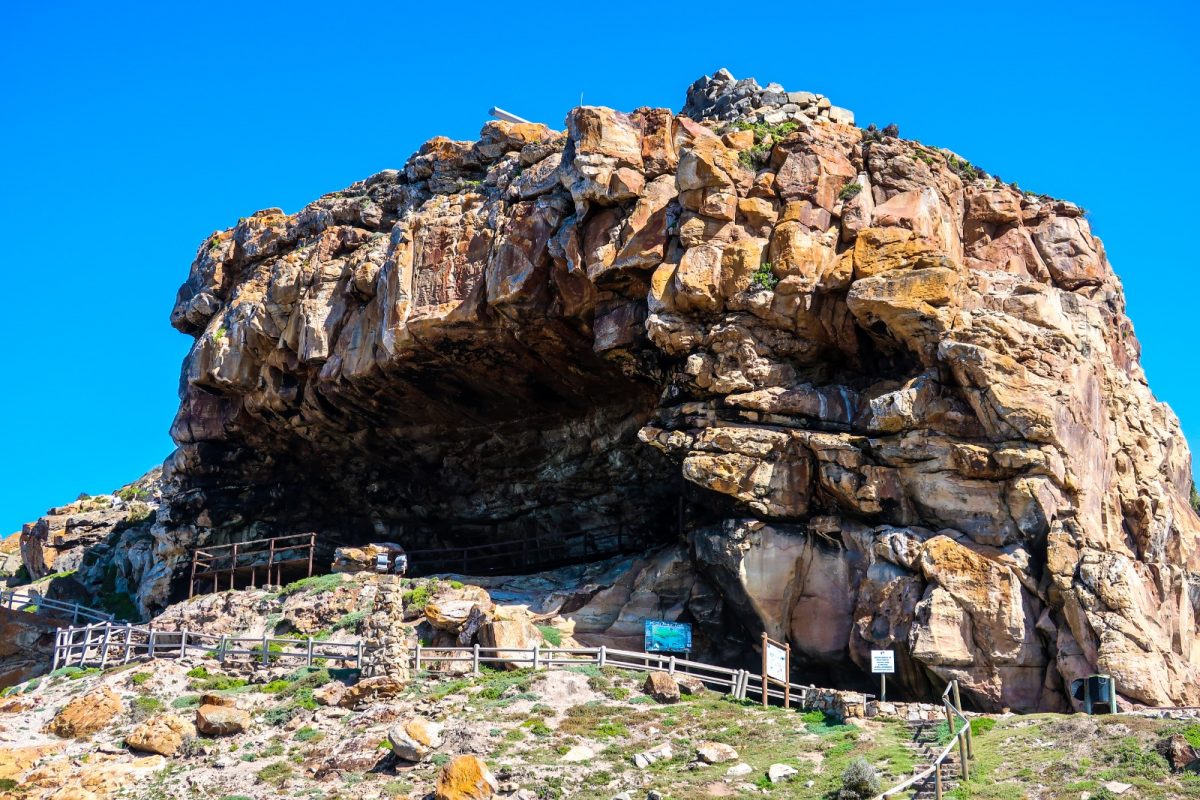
[264,650]
[359,659]
[602,656]
[221,649]
[671,666]
[104,646]
[475,659]
[536,656]
[183,644]
[417,659]
[310,646]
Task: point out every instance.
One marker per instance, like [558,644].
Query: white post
[264,650]
[183,643]
[57,643]
[221,648]
[417,659]
[601,656]
[536,656]
[359,661]
[75,614]
[475,659]
[150,642]
[128,636]
[671,666]
[310,640]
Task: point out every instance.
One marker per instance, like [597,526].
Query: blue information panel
[668,637]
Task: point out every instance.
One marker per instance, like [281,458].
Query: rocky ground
[198,728]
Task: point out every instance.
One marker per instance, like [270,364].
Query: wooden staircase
[925,747]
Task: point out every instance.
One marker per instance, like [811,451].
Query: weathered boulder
[86,714]
[1178,752]
[715,752]
[368,690]
[465,778]
[221,720]
[163,734]
[662,687]
[415,739]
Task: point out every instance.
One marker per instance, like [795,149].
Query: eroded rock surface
[900,398]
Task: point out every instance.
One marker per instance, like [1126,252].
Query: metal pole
[882,687]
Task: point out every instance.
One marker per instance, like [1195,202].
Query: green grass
[140,678]
[314,585]
[275,774]
[551,635]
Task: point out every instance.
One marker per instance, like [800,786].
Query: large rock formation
[900,399]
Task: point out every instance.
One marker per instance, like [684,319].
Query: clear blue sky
[131,131]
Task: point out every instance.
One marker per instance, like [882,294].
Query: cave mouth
[474,465]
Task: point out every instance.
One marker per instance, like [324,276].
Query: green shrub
[131,493]
[276,686]
[145,706]
[186,701]
[350,622]
[140,678]
[982,725]
[963,168]
[537,727]
[197,672]
[307,734]
[551,634]
[764,277]
[859,781]
[314,585]
[850,191]
[276,773]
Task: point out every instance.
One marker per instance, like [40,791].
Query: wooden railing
[221,563]
[960,737]
[103,644]
[23,600]
[106,644]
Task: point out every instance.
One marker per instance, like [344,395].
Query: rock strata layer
[899,400]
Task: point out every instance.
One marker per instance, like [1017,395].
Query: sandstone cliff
[899,399]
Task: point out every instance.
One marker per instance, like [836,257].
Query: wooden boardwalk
[279,559]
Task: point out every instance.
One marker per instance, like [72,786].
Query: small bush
[131,493]
[187,701]
[307,734]
[764,277]
[350,622]
[140,678]
[859,781]
[850,191]
[982,725]
[314,585]
[276,773]
[143,707]
[537,727]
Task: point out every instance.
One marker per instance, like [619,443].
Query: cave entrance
[471,467]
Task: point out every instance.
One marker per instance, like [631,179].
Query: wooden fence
[23,600]
[222,564]
[105,644]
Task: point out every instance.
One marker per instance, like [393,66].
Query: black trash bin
[1098,693]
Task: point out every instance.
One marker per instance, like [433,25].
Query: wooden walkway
[254,562]
[279,559]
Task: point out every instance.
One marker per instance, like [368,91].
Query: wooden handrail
[960,738]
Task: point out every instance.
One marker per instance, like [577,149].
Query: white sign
[883,661]
[777,663]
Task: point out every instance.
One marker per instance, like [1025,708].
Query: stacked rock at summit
[901,398]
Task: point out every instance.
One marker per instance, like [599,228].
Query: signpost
[668,637]
[776,666]
[883,662]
